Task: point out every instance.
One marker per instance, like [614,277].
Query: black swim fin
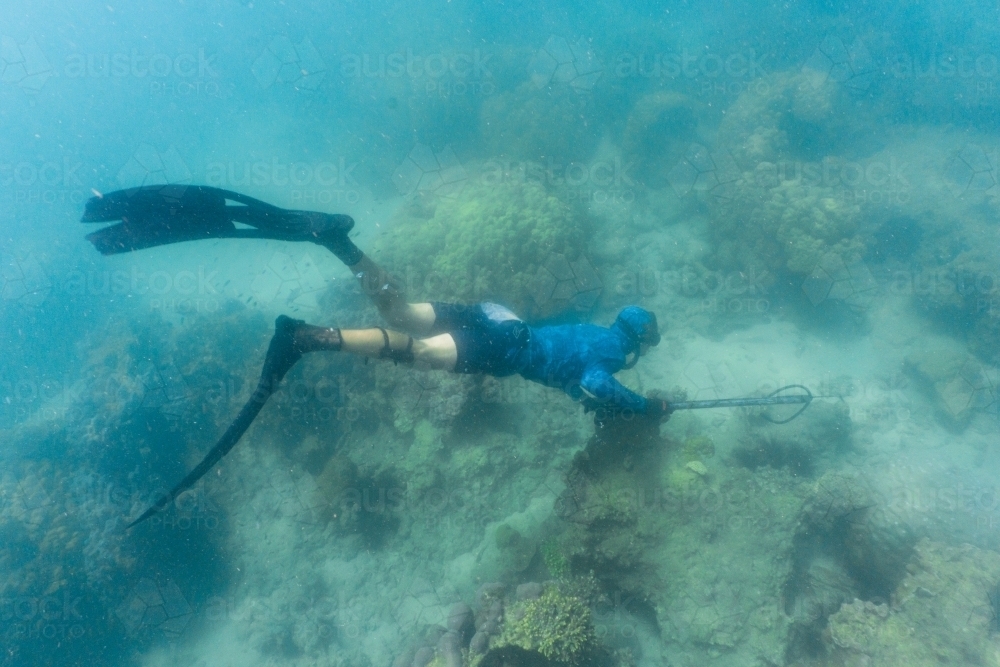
[281,356]
[156,215]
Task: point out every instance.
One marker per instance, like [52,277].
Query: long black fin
[157,215]
[281,356]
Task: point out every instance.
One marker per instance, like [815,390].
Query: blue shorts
[489,338]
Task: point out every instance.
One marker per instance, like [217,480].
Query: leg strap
[405,355]
[309,338]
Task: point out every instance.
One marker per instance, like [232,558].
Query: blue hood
[638,325]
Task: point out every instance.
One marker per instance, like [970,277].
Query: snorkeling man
[580,359]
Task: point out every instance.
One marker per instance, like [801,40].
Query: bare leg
[387,295]
[437,353]
[384,291]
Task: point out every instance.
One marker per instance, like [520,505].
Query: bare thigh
[416,319]
[437,353]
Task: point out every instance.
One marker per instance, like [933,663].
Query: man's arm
[604,390]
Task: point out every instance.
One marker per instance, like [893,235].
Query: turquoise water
[803,194]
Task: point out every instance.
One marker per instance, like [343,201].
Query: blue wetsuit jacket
[580,359]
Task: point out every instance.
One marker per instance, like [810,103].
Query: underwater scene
[499,334]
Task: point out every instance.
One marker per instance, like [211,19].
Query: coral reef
[442,647]
[953,278]
[548,125]
[771,224]
[786,202]
[698,448]
[846,547]
[668,543]
[491,601]
[548,624]
[941,613]
[423,458]
[796,113]
[489,243]
[556,625]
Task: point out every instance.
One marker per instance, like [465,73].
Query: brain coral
[489,243]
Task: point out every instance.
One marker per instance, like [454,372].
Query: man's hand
[657,408]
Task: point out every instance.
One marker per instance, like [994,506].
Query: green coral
[488,243]
[777,205]
[790,224]
[698,448]
[557,625]
[555,560]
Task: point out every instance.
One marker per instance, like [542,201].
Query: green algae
[556,562]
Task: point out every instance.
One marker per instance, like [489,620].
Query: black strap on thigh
[405,356]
